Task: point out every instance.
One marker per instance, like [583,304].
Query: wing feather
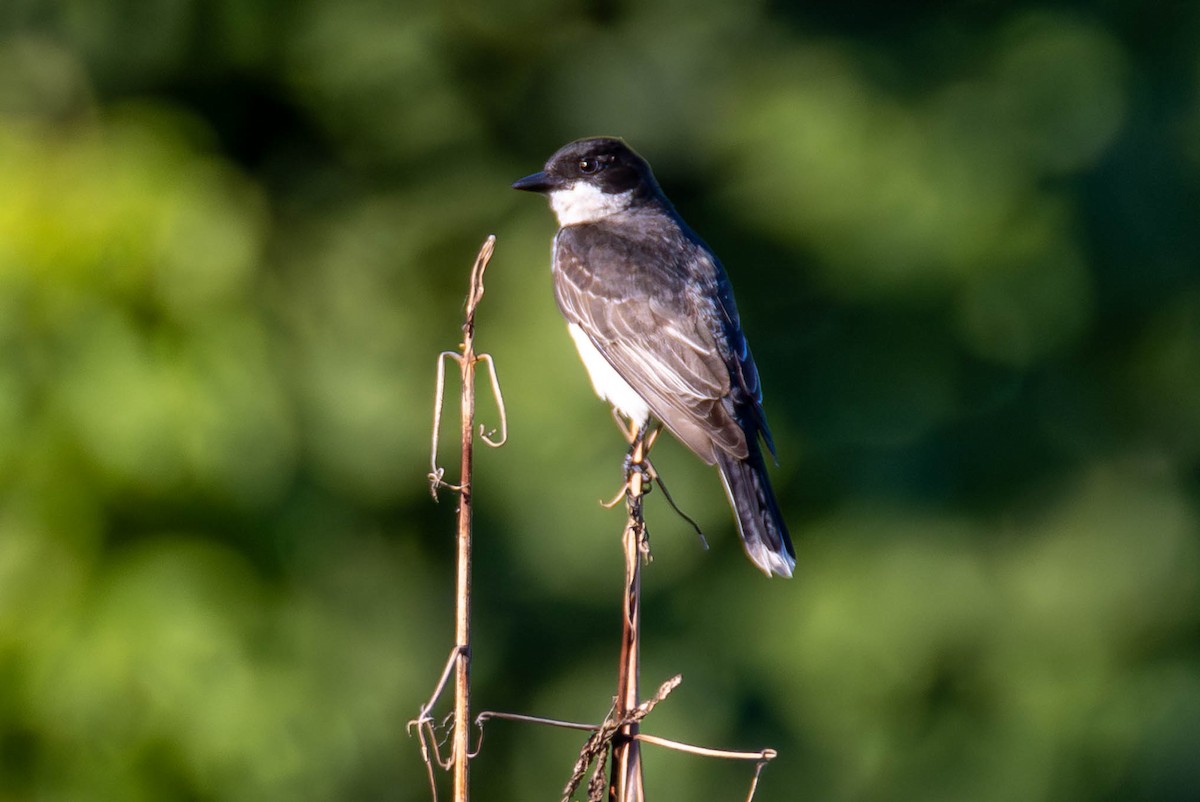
[640,307]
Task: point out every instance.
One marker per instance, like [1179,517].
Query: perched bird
[652,313]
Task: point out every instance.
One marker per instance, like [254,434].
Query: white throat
[586,203]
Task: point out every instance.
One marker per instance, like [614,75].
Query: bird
[652,314]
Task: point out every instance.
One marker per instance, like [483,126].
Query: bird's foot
[641,467]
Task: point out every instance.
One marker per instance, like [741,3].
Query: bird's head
[590,179]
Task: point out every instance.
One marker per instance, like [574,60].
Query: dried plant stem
[764,755]
[625,779]
[461,655]
[462,612]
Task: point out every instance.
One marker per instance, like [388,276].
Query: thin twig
[436,473]
[460,658]
[704,751]
[625,776]
[608,734]
[485,434]
[487,715]
[462,617]
[758,770]
[427,708]
[465,363]
[426,732]
[597,746]
[654,740]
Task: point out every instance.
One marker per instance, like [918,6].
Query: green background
[235,235]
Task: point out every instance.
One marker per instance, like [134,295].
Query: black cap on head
[604,161]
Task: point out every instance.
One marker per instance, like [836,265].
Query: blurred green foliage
[234,235]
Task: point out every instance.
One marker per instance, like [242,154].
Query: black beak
[538,182]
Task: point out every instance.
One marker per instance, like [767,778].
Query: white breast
[608,383]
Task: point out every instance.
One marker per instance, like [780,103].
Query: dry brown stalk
[460,656]
[625,779]
[603,737]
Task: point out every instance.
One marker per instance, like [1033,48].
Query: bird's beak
[538,182]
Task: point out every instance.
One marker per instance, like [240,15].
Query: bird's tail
[764,534]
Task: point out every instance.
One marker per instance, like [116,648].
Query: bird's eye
[588,165]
